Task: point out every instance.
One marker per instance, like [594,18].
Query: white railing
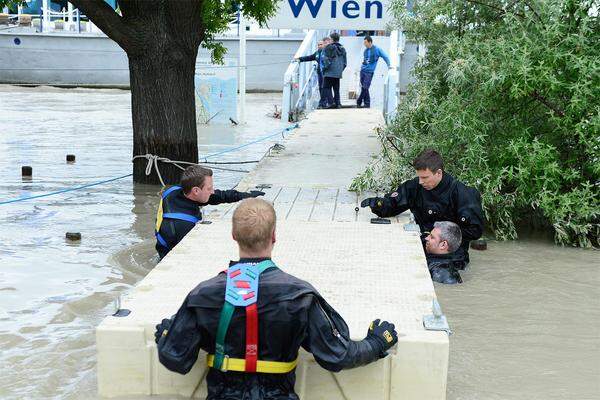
[391,90]
[300,83]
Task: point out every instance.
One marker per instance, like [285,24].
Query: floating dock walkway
[365,271]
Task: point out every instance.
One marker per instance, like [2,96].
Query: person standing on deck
[334,63]
[318,57]
[371,55]
[253,318]
[180,206]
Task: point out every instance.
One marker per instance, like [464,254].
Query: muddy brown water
[526,321]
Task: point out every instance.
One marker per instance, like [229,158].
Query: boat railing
[300,82]
[391,88]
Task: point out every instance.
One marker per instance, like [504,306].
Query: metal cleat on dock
[437,320]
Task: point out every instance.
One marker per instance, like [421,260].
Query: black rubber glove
[162,329]
[382,336]
[256,193]
[371,202]
[367,202]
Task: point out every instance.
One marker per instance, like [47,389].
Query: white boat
[63,49]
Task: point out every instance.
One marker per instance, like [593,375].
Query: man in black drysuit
[291,314]
[180,207]
[435,195]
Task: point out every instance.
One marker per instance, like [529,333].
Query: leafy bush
[509,93]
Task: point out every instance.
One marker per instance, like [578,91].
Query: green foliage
[217,15]
[12,4]
[509,93]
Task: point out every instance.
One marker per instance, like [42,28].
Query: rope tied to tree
[153,161]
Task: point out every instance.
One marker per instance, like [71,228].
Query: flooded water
[526,320]
[54,293]
[526,324]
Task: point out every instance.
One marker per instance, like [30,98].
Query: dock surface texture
[365,271]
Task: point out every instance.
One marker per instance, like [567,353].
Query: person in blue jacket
[371,56]
[317,56]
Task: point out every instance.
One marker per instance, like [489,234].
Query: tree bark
[161,39]
[163,112]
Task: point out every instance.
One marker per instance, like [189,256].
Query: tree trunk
[161,39]
[163,112]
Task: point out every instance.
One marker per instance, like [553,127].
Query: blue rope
[289,128]
[63,190]
[279,132]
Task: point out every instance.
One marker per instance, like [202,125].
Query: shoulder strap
[248,280]
[170,190]
[182,216]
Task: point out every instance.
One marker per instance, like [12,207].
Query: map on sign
[216,91]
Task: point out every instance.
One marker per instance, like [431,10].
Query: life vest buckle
[225,364]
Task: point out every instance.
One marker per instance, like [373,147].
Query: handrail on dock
[299,83]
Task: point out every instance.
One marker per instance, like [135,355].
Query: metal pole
[70,15]
[78,17]
[46,16]
[242,69]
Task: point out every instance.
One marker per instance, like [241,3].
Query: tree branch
[111,23]
[534,12]
[536,95]
[502,10]
[392,143]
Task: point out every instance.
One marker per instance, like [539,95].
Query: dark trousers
[365,84]
[330,84]
[322,99]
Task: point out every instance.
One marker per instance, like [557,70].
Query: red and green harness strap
[241,291]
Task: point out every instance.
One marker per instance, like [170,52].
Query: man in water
[180,206]
[253,352]
[443,240]
[432,196]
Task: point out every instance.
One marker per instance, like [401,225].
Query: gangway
[300,83]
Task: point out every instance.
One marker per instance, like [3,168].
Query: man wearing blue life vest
[180,206]
[253,318]
[371,56]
